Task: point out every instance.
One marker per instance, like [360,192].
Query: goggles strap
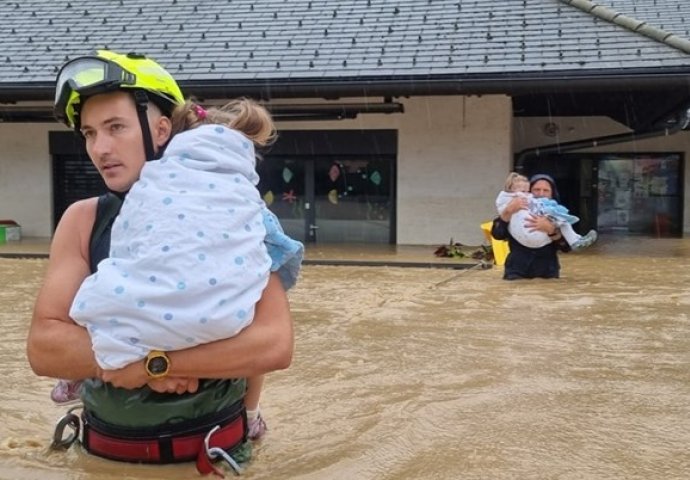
[142,101]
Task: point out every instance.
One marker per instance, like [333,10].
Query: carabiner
[215,452]
[68,420]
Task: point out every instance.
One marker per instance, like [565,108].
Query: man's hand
[177,385]
[540,223]
[515,205]
[130,377]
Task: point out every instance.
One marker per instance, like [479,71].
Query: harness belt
[181,443]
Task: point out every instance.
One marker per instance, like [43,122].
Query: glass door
[330,199]
[352,200]
[283,186]
[640,194]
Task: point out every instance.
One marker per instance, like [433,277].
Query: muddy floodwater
[422,373]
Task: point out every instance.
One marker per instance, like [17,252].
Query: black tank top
[99,246]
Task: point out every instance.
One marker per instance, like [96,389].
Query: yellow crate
[499,247]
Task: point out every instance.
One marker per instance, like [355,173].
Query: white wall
[528,133]
[453,155]
[25,177]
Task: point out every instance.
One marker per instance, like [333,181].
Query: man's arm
[56,346]
[264,346]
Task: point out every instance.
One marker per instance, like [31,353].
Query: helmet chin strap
[142,102]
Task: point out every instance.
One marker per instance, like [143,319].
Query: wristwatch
[157,364]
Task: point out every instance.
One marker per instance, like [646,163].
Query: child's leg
[570,235]
[255,422]
[253,395]
[66,392]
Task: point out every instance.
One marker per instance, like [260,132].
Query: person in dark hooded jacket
[525,262]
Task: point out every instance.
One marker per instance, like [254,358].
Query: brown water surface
[406,373]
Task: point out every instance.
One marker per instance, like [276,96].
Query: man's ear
[162,130]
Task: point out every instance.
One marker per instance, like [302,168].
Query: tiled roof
[329,40]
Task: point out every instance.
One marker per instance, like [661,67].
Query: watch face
[158,365]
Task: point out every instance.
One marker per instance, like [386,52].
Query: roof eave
[402,86]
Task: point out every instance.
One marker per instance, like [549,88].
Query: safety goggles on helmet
[106,72]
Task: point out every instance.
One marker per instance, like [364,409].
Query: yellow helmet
[108,71]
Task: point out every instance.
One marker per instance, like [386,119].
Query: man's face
[542,188]
[114,140]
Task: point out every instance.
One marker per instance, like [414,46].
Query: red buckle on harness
[167,449]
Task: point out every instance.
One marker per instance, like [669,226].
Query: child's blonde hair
[513,179]
[244,115]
